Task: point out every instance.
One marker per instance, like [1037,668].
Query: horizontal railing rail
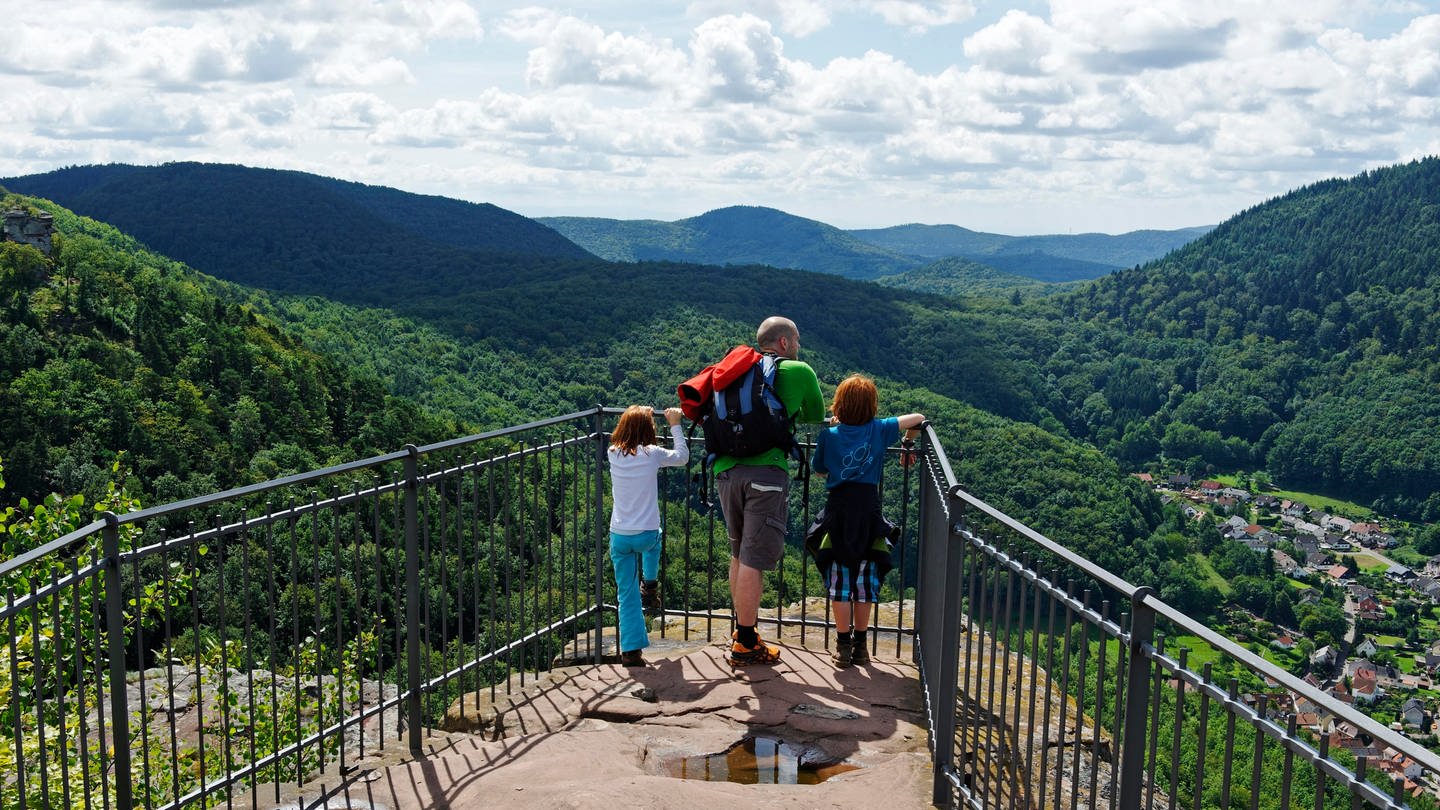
[1048,684]
[191,652]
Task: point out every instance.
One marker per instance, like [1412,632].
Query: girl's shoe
[632,658]
[650,597]
[860,654]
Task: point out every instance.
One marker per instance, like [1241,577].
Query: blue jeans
[632,555]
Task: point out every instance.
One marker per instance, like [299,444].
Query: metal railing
[1048,683]
[214,649]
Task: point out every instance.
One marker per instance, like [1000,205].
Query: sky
[1019,117]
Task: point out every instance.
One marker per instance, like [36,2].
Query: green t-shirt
[799,390]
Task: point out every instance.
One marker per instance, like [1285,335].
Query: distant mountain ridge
[367,229]
[741,234]
[1122,250]
[752,234]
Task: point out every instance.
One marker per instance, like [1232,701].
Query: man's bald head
[778,334]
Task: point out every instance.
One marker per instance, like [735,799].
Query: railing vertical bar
[1137,702]
[1320,772]
[102,741]
[970,735]
[1037,593]
[1228,773]
[317,622]
[536,559]
[1117,753]
[1361,766]
[246,609]
[523,522]
[336,561]
[1049,696]
[19,715]
[1080,684]
[81,701]
[115,631]
[442,527]
[274,653]
[470,483]
[945,646]
[139,624]
[548,544]
[378,541]
[1178,728]
[492,624]
[1007,759]
[62,742]
[223,689]
[1255,769]
[995,573]
[906,482]
[1288,770]
[600,535]
[1201,734]
[1097,721]
[357,522]
[426,604]
[1065,695]
[708,481]
[38,655]
[1156,684]
[413,708]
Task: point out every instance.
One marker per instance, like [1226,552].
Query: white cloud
[799,18]
[1020,43]
[738,59]
[828,102]
[572,51]
[349,111]
[920,15]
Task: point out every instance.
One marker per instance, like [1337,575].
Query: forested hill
[292,231]
[1300,337]
[1096,249]
[107,347]
[739,234]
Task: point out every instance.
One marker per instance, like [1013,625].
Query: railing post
[1137,699]
[598,518]
[115,630]
[941,649]
[414,705]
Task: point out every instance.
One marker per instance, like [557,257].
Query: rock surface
[606,736]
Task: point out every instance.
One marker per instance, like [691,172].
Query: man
[754,492]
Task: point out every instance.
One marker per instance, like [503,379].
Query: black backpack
[747,418]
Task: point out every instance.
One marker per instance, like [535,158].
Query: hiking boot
[761,653]
[860,654]
[632,658]
[844,654]
[650,597]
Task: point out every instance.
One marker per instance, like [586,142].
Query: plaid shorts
[863,586]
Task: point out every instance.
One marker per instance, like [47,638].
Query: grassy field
[1202,565]
[1311,499]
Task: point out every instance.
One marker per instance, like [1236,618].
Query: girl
[635,458]
[854,553]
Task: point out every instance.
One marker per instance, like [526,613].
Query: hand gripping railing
[1037,696]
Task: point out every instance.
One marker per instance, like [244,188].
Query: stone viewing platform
[610,737]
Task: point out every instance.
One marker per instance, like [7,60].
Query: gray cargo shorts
[756,506]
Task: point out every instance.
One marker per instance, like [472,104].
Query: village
[1387,661]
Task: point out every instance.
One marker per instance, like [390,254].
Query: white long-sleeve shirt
[632,483]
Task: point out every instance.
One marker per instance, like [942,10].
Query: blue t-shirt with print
[854,452]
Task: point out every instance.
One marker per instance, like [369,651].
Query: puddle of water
[756,761]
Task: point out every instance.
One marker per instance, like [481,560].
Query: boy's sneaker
[844,654]
[650,597]
[860,654]
[761,653]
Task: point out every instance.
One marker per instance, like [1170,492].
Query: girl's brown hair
[856,400]
[635,429]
